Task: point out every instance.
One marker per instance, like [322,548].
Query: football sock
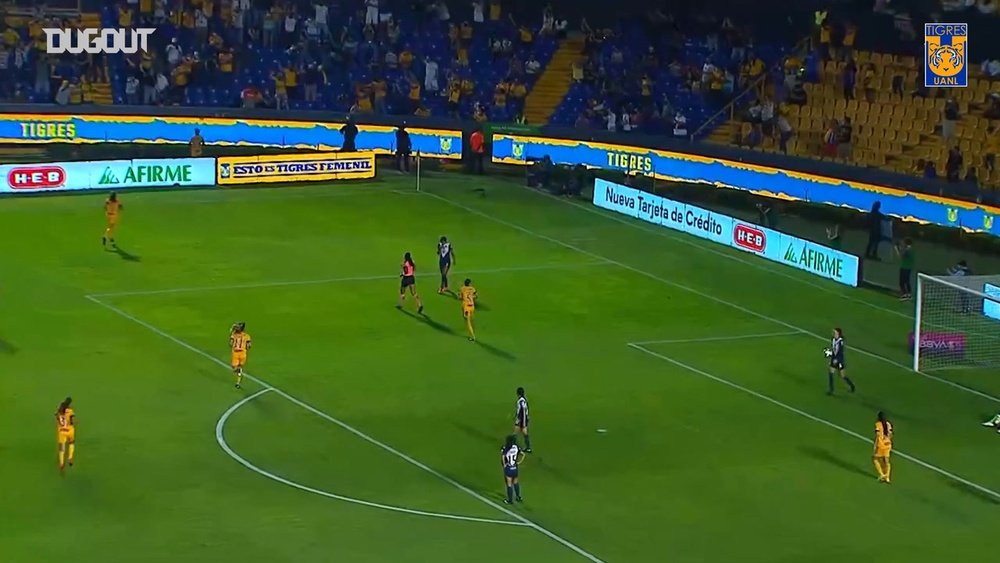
[829,382]
[71,452]
[517,490]
[62,458]
[444,281]
[849,383]
[239,377]
[472,332]
[510,493]
[527,442]
[878,468]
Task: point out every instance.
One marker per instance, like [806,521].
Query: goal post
[956,324]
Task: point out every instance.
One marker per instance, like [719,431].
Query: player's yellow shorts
[112,220]
[66,436]
[883,452]
[238,360]
[468,312]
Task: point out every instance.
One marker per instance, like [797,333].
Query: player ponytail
[407,259]
[65,404]
[885,424]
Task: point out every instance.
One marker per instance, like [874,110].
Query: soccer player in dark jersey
[836,355]
[446,257]
[521,419]
[510,458]
[408,279]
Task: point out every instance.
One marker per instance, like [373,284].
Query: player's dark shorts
[444,263]
[836,364]
[407,281]
[510,472]
[521,423]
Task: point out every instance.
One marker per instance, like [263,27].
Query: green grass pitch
[677,390]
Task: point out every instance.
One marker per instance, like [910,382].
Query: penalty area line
[220,438]
[698,292]
[371,440]
[720,338]
[926,465]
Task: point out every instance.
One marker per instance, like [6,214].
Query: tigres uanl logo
[946,54]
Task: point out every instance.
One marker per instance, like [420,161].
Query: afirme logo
[108,41]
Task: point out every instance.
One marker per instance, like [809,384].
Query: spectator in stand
[518,94]
[849,77]
[496,12]
[949,119]
[874,221]
[991,68]
[310,83]
[477,12]
[321,15]
[414,95]
[431,76]
[577,71]
[371,12]
[612,121]
[830,139]
[784,133]
[850,37]
[454,97]
[992,148]
[930,170]
[391,60]
[532,66]
[953,166]
[868,82]
[132,90]
[825,35]
[280,90]
[582,122]
[478,113]
[845,135]
[680,125]
[379,89]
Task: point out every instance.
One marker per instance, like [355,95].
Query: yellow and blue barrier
[145,129]
[313,167]
[767,243]
[761,180]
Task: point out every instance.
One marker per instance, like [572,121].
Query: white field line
[220,438]
[322,281]
[720,338]
[374,441]
[814,418]
[700,293]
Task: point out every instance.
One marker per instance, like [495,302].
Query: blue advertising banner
[761,180]
[52,128]
[767,243]
[106,175]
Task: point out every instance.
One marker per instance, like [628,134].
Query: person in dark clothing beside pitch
[403,149]
[350,132]
[874,231]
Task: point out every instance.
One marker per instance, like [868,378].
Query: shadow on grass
[125,255]
[423,318]
[827,457]
[500,353]
[479,435]
[974,492]
[7,347]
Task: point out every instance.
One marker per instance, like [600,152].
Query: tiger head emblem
[945,60]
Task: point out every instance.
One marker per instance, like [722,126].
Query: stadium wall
[773,175]
[775,182]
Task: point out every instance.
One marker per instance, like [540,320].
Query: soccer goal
[957,323]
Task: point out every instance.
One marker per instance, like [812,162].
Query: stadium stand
[869,108]
[395,59]
[650,73]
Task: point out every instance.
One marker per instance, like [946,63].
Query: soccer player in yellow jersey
[239,342]
[883,448]
[468,296]
[66,433]
[112,212]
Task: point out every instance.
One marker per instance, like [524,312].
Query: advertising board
[234,170]
[761,180]
[767,243]
[106,175]
[319,136]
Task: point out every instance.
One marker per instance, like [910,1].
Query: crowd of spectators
[661,74]
[362,56]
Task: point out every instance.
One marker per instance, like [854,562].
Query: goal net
[957,323]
